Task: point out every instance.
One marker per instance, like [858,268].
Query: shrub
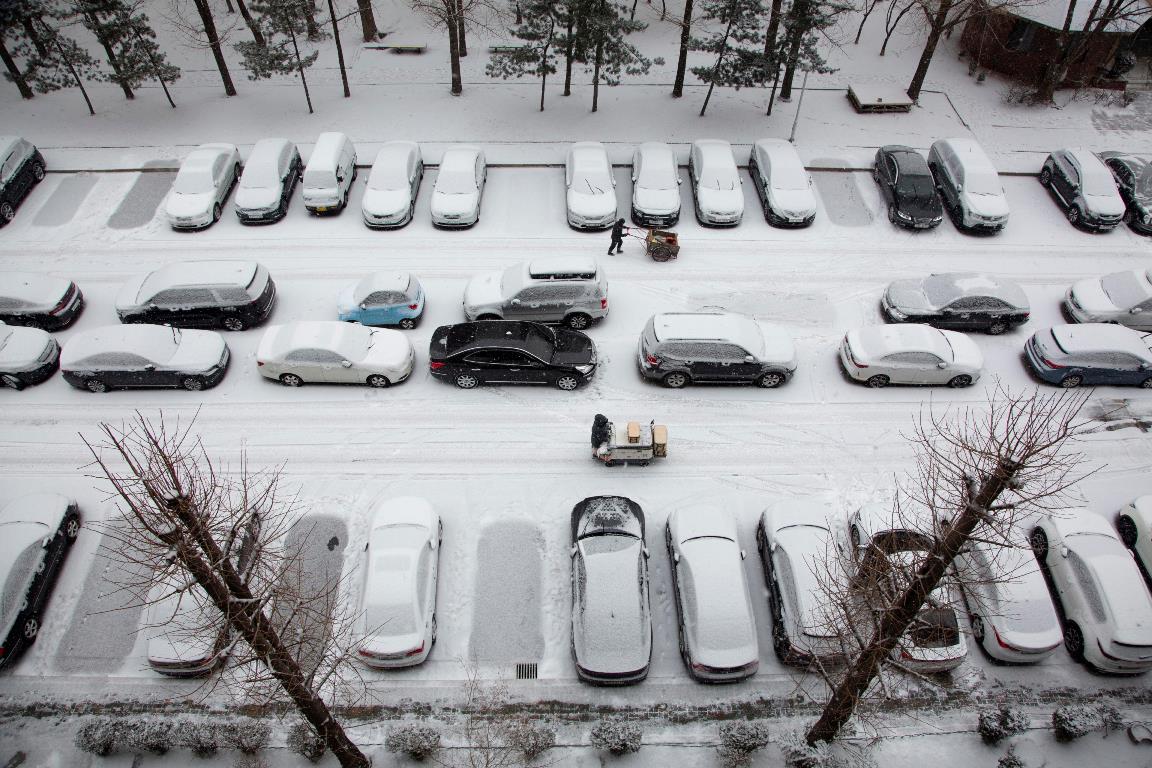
[98,736]
[416,741]
[531,740]
[739,740]
[1110,718]
[303,740]
[616,736]
[202,737]
[1010,759]
[1075,720]
[247,760]
[246,734]
[148,735]
[1001,723]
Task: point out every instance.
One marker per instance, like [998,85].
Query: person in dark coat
[600,431]
[618,230]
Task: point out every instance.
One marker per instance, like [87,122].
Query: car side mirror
[363,306]
[1063,551]
[149,367]
[633,178]
[675,557]
[1135,310]
[749,359]
[773,546]
[432,544]
[743,555]
[941,364]
[679,180]
[345,364]
[514,301]
[644,549]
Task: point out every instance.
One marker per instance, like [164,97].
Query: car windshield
[1126,289]
[1098,181]
[319,178]
[389,175]
[590,178]
[193,181]
[984,182]
[540,340]
[915,185]
[455,182]
[789,177]
[13,591]
[260,176]
[657,175]
[715,175]
[1142,187]
[935,628]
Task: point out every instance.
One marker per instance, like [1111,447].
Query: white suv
[572,291]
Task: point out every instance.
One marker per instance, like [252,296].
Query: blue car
[383,298]
[1090,353]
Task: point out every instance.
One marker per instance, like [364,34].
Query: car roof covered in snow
[1100,337]
[197,273]
[382,281]
[710,326]
[907,337]
[554,267]
[348,339]
[958,284]
[153,342]
[32,287]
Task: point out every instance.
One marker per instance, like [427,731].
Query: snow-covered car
[459,187]
[907,187]
[1084,188]
[1134,524]
[36,534]
[185,632]
[713,601]
[1090,353]
[401,570]
[1133,177]
[782,183]
[794,539]
[572,290]
[390,195]
[880,355]
[266,185]
[1105,607]
[383,298]
[655,185]
[329,174]
[591,188]
[226,293]
[1124,298]
[333,352]
[21,168]
[39,301]
[969,186]
[611,617]
[138,356]
[27,356]
[962,301]
[717,190]
[202,185]
[1009,609]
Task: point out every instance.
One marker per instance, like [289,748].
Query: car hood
[591,205]
[126,297]
[721,201]
[390,349]
[656,200]
[1105,205]
[388,645]
[385,202]
[798,201]
[991,206]
[573,348]
[483,290]
[178,204]
[256,198]
[965,351]
[23,349]
[198,350]
[170,644]
[1089,294]
[778,346]
[908,295]
[445,204]
[919,206]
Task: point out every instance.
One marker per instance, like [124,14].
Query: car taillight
[416,651]
[61,305]
[1001,643]
[413,306]
[1049,363]
[435,365]
[259,363]
[604,303]
[652,360]
[907,656]
[852,357]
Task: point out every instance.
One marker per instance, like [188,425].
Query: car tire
[232,324]
[95,385]
[1045,176]
[854,536]
[578,321]
[1074,640]
[433,630]
[892,214]
[378,381]
[1147,383]
[1126,527]
[676,380]
[1127,217]
[997,328]
[1074,215]
[72,526]
[977,625]
[466,381]
[1072,381]
[38,172]
[407,323]
[216,213]
[192,383]
[13,381]
[1038,540]
[291,380]
[770,380]
[7,212]
[30,628]
[878,381]
[956,382]
[488,317]
[568,383]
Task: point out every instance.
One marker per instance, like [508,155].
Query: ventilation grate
[526,671]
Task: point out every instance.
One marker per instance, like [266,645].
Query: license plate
[921,226]
[321,209]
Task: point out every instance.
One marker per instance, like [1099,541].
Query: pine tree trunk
[682,61]
[596,74]
[214,43]
[30,31]
[368,21]
[790,67]
[339,49]
[14,71]
[720,56]
[454,48]
[117,75]
[544,62]
[75,76]
[155,67]
[253,25]
[1057,68]
[462,39]
[938,23]
[569,55]
[773,30]
[300,69]
[313,29]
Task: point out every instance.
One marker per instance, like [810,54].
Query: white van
[330,172]
[969,186]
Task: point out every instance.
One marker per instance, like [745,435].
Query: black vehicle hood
[573,348]
[922,206]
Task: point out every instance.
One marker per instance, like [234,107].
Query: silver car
[571,290]
[1124,298]
[716,185]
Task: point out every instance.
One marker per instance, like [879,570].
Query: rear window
[935,628]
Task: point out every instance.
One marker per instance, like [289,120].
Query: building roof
[1052,13]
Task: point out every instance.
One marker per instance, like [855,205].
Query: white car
[716,185]
[1106,608]
[390,196]
[1120,297]
[332,352]
[401,569]
[202,185]
[270,175]
[591,188]
[782,183]
[794,539]
[879,355]
[174,626]
[1009,608]
[1134,524]
[459,187]
[655,185]
[713,602]
[27,356]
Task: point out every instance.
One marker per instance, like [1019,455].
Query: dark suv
[233,295]
[21,168]
[680,348]
[511,352]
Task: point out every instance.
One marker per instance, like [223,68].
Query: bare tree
[454,16]
[1103,16]
[367,20]
[866,8]
[896,12]
[978,472]
[682,60]
[203,34]
[188,524]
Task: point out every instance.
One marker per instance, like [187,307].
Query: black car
[36,534]
[229,294]
[511,352]
[908,187]
[138,356]
[960,301]
[39,301]
[1134,181]
[21,168]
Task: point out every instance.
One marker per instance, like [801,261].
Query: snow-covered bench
[878,98]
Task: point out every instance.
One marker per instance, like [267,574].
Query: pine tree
[737,43]
[212,40]
[804,23]
[14,14]
[538,56]
[139,56]
[55,61]
[284,21]
[609,54]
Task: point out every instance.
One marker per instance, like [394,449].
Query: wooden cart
[661,245]
[632,443]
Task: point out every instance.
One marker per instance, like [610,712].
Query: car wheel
[578,321]
[38,172]
[877,381]
[30,628]
[376,380]
[433,629]
[675,380]
[854,536]
[233,324]
[7,212]
[96,385]
[466,381]
[960,381]
[977,628]
[892,214]
[1126,527]
[488,317]
[1074,640]
[770,380]
[216,212]
[997,328]
[290,380]
[1127,217]
[567,383]
[1039,542]
[72,526]
[13,381]
[1045,176]
[192,383]
[407,323]
[1074,215]
[1147,383]
[1071,382]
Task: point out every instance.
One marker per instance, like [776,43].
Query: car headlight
[904,216]
[585,369]
[897,314]
[937,219]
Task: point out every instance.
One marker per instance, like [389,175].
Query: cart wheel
[644,463]
[611,463]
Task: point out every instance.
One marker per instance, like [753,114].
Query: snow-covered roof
[382,281]
[550,266]
[33,288]
[947,286]
[6,143]
[710,326]
[713,581]
[1052,13]
[348,339]
[326,150]
[1100,337]
[197,273]
[458,159]
[785,158]
[154,342]
[907,337]
[390,168]
[1092,168]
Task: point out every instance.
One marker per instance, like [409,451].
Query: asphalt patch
[313,544]
[65,201]
[139,206]
[506,613]
[843,200]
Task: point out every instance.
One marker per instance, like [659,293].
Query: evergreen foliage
[284,22]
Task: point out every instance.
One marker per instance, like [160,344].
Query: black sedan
[511,352]
[38,301]
[611,615]
[1134,181]
[36,533]
[134,356]
[960,301]
[908,187]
